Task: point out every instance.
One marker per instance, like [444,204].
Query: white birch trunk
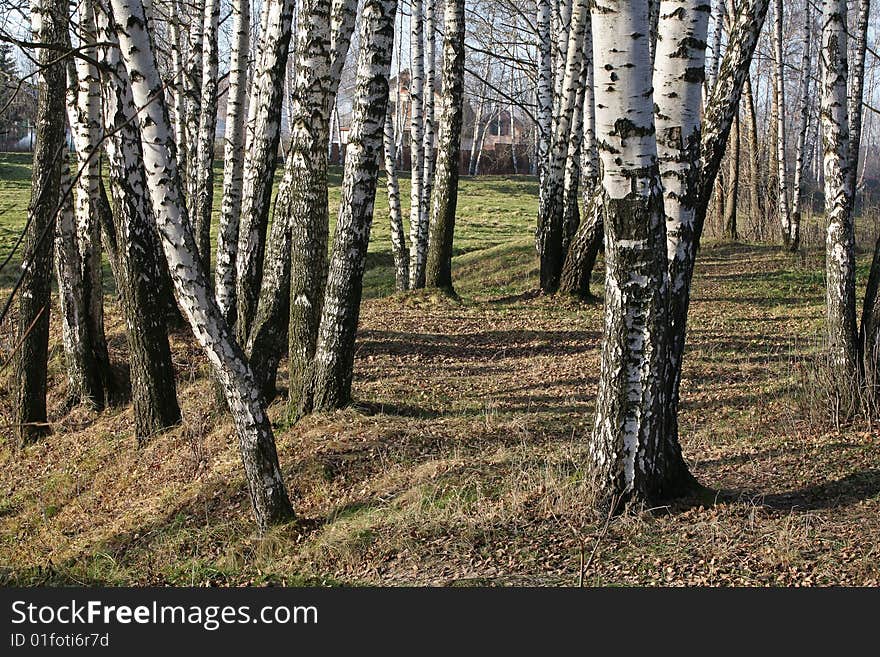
[839,241]
[233,162]
[398,235]
[779,76]
[194,294]
[428,137]
[418,234]
[803,126]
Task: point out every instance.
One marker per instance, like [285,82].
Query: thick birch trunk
[49,25]
[544,90]
[129,230]
[628,440]
[194,293]
[193,92]
[445,199]
[839,240]
[334,357]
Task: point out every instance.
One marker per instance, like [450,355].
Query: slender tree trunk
[478,118]
[178,91]
[804,119]
[83,378]
[257,445]
[49,23]
[301,218]
[334,357]
[839,241]
[544,91]
[398,235]
[552,190]
[445,199]
[628,439]
[130,232]
[260,162]
[193,92]
[584,247]
[233,162]
[756,204]
[732,183]
[204,170]
[418,235]
[429,157]
[572,178]
[779,77]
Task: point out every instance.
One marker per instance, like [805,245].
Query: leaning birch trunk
[398,235]
[552,189]
[203,184]
[429,156]
[627,445]
[584,248]
[678,84]
[445,199]
[260,162]
[84,118]
[49,24]
[572,176]
[131,234]
[195,296]
[804,122]
[334,356]
[418,235]
[839,241]
[301,215]
[779,77]
[233,162]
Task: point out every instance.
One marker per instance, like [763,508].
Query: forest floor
[462,462]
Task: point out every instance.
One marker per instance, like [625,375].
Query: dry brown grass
[464,460]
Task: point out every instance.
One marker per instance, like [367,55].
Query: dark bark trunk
[31,363]
[583,251]
[732,184]
[445,198]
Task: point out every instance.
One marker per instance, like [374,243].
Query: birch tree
[195,296]
[779,76]
[552,189]
[193,94]
[49,25]
[445,197]
[418,233]
[428,156]
[203,184]
[130,233]
[334,355]
[398,235]
[840,239]
[628,439]
[89,375]
[291,295]
[803,124]
[233,162]
[260,160]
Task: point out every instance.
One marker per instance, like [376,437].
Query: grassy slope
[463,461]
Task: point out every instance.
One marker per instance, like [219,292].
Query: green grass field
[463,459]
